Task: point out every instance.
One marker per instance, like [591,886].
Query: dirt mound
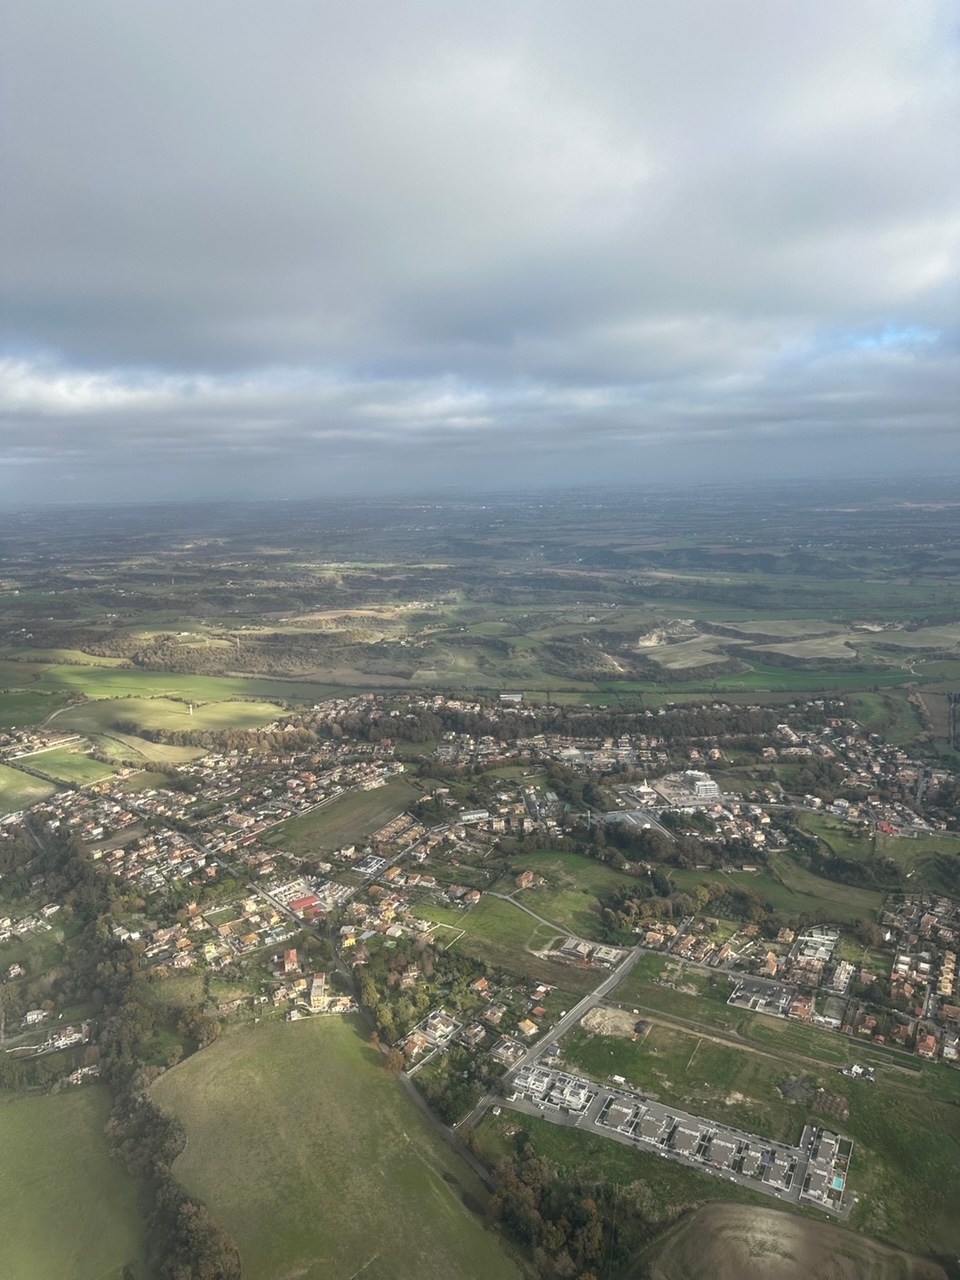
[734,1242]
[609,1022]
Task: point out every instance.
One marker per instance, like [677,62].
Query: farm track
[737,1040]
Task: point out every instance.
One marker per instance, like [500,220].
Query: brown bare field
[609,1022]
[737,1242]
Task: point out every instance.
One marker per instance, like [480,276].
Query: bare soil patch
[610,1022]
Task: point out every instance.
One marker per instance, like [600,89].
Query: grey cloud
[327,234]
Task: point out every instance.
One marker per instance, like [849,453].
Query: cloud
[331,236]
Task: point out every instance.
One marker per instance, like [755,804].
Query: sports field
[68,1211]
[319,1165]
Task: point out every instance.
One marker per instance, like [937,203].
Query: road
[506,897]
[560,1028]
[589,1121]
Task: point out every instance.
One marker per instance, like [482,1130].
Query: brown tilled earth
[734,1242]
[609,1022]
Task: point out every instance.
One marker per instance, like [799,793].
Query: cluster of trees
[819,776]
[573,1228]
[943,804]
[184,1242]
[458,1083]
[653,896]
[396,1009]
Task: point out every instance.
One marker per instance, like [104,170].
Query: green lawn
[313,1157]
[19,790]
[346,821]
[68,1211]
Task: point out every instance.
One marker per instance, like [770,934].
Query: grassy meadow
[68,1211]
[316,1161]
[69,764]
[732,1242]
[19,790]
[574,886]
[347,820]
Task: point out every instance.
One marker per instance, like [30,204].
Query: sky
[297,248]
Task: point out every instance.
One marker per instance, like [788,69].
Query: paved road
[506,897]
[560,1028]
[590,1122]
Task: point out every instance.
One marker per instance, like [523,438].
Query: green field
[19,710]
[700,1075]
[502,935]
[719,1061]
[788,887]
[67,764]
[841,838]
[571,896]
[733,1242]
[20,790]
[889,714]
[166,713]
[68,1211]
[112,682]
[143,781]
[315,1160]
[348,820]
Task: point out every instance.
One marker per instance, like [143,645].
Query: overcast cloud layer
[267,248]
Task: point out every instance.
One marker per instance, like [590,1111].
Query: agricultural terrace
[347,820]
[318,1164]
[68,1210]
